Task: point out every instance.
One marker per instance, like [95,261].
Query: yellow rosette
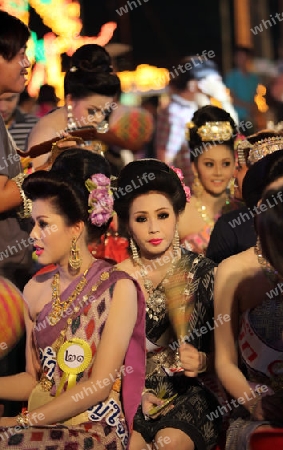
[73,357]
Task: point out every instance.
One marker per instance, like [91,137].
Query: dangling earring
[70,118]
[197,187]
[134,250]
[176,244]
[74,259]
[231,188]
[102,127]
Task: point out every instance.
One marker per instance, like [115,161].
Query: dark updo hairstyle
[14,35]
[260,175]
[64,186]
[134,181]
[269,226]
[195,69]
[91,73]
[209,113]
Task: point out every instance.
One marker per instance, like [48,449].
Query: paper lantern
[133,125]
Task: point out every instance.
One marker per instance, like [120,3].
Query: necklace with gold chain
[46,383]
[202,211]
[156,301]
[267,268]
[58,306]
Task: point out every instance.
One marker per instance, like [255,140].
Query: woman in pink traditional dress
[212,133]
[84,320]
[249,348]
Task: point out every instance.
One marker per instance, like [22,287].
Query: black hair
[153,100]
[196,68]
[260,175]
[64,186]
[269,227]
[47,94]
[14,35]
[241,48]
[143,176]
[91,72]
[209,113]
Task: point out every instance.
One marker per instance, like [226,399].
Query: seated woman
[149,199]
[84,373]
[212,133]
[247,288]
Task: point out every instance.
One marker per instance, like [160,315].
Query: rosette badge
[100,200]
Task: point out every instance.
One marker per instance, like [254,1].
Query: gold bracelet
[23,420]
[25,212]
[203,365]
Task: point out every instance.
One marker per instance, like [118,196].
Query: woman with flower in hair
[212,133]
[84,373]
[178,288]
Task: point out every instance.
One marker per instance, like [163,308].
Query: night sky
[161,31]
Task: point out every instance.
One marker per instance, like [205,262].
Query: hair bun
[98,67]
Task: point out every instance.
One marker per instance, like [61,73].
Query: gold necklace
[59,307]
[156,301]
[45,382]
[202,211]
[267,268]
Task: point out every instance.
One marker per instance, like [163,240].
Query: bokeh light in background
[63,18]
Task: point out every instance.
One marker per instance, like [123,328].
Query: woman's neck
[67,275]
[213,204]
[160,263]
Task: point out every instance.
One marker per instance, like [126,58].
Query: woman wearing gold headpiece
[234,232]
[248,289]
[212,133]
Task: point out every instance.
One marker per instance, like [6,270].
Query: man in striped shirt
[18,124]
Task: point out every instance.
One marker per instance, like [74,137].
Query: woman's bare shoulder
[37,286]
[126,266]
[237,265]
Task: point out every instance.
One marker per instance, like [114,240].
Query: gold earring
[197,187]
[74,259]
[134,250]
[176,244]
[231,187]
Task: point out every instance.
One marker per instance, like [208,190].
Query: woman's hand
[149,400]
[192,361]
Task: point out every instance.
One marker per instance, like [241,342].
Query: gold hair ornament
[265,147]
[241,146]
[215,131]
[189,126]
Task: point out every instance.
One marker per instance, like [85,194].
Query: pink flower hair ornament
[180,175]
[100,200]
